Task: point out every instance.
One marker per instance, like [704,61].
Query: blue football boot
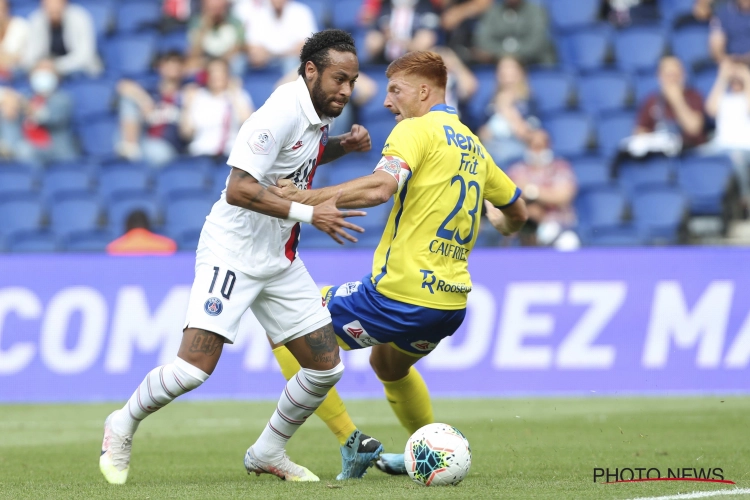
[391,463]
[358,454]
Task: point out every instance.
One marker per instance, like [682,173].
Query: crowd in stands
[625,122]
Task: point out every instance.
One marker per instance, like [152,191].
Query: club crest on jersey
[423,345]
[261,141]
[356,331]
[324,139]
[213,306]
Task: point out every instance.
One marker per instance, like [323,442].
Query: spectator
[549,187]
[703,10]
[730,31]
[729,104]
[13,39]
[139,240]
[212,116]
[65,33]
[278,31]
[37,130]
[625,12]
[508,129]
[158,111]
[517,28]
[215,33]
[673,112]
[403,26]
[458,19]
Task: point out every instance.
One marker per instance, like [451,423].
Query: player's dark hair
[137,219]
[317,47]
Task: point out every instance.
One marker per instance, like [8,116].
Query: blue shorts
[363,317]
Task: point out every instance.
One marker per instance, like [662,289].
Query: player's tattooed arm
[323,346]
[245,191]
[333,151]
[358,139]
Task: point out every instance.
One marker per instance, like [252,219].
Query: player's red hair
[422,63]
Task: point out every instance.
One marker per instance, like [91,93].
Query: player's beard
[322,102]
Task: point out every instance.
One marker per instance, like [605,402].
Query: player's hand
[356,140]
[331,220]
[496,217]
[286,189]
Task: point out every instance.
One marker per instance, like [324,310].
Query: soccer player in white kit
[246,258]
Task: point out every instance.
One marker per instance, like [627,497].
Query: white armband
[300,212]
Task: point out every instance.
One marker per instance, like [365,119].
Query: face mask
[43,81]
[540,158]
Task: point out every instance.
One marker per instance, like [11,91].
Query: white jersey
[284,139]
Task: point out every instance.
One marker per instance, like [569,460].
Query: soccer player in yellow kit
[416,293]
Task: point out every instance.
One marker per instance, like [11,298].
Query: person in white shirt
[14,33]
[247,259]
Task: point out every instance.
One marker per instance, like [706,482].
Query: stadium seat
[123,177]
[34,242]
[604,91]
[136,16]
[345,14]
[345,171]
[704,80]
[690,45]
[570,133]
[602,207]
[621,236]
[187,211]
[586,49]
[570,14]
[23,9]
[97,136]
[550,90]
[173,41]
[636,176]
[74,211]
[380,129]
[612,128]
[591,172]
[673,10]
[16,178]
[101,14]
[321,11]
[660,213]
[706,182]
[187,241]
[220,176]
[645,85]
[260,85]
[639,49]
[61,179]
[91,98]
[130,55]
[88,241]
[127,202]
[178,177]
[20,212]
[479,107]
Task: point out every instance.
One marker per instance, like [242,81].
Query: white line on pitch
[699,494]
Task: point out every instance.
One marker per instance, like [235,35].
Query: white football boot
[115,459]
[283,468]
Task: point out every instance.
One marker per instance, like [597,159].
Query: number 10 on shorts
[226,288]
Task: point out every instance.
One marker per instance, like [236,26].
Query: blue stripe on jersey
[401,197]
[513,200]
[444,107]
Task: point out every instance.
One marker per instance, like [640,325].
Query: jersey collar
[444,107]
[303,94]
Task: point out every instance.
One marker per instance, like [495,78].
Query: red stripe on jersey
[290,249]
[321,150]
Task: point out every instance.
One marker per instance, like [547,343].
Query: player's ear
[310,71]
[424,92]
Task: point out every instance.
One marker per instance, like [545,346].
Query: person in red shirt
[139,240]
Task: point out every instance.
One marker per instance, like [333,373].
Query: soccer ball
[437,455]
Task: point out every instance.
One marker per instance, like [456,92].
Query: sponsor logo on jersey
[428,279]
[324,139]
[213,306]
[424,345]
[348,288]
[356,331]
[261,141]
[298,145]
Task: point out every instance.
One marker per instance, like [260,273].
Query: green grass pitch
[522,448]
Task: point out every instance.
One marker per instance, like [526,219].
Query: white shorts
[287,305]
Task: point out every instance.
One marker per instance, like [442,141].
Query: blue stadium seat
[127,202]
[137,16]
[74,211]
[645,85]
[586,49]
[591,172]
[636,176]
[91,98]
[374,107]
[570,133]
[20,212]
[706,182]
[220,176]
[61,179]
[620,236]
[123,177]
[174,41]
[380,129]
[88,241]
[601,207]
[130,55]
[612,128]
[23,9]
[604,91]
[174,178]
[321,11]
[479,106]
[97,136]
[348,170]
[187,211]
[570,14]
[671,10]
[704,80]
[660,213]
[260,85]
[345,14]
[639,49]
[101,14]
[16,178]
[551,90]
[187,241]
[34,242]
[690,45]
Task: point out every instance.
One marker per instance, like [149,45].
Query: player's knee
[324,378]
[187,375]
[386,368]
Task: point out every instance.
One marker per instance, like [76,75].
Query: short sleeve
[499,189]
[259,142]
[408,141]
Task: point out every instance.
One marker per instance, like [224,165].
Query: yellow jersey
[422,257]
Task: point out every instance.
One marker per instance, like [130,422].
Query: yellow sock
[410,400]
[332,411]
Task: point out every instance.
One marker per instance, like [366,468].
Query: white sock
[301,397]
[160,387]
